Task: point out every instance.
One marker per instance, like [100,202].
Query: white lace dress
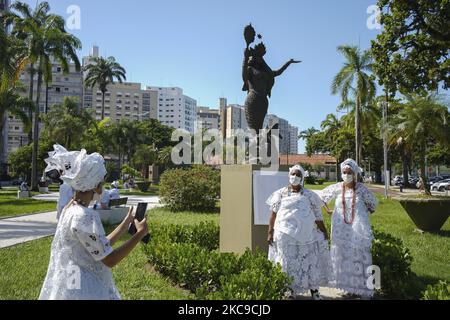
[75,271]
[299,246]
[351,244]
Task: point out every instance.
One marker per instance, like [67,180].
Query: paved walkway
[26,228]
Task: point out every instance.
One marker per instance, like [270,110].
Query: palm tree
[23,21]
[331,123]
[355,76]
[47,39]
[307,134]
[12,63]
[102,72]
[423,121]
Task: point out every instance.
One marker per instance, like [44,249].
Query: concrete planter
[43,189]
[427,214]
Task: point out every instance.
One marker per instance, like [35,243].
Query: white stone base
[113,216]
[23,194]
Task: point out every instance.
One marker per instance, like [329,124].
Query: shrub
[143,185]
[187,255]
[394,260]
[204,235]
[310,179]
[195,189]
[320,181]
[127,170]
[440,291]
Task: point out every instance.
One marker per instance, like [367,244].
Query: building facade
[122,100]
[293,139]
[62,85]
[208,118]
[283,127]
[175,109]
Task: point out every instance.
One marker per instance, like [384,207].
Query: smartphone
[139,216]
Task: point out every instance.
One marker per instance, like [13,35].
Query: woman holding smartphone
[82,255]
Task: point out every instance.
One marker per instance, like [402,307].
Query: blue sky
[198,45]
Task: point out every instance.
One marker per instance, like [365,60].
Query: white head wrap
[81,171]
[298,167]
[350,163]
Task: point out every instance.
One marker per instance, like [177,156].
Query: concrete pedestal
[238,231]
[113,216]
[23,194]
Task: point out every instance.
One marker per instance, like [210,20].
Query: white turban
[298,167]
[350,163]
[81,171]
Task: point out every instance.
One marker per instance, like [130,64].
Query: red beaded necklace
[344,208]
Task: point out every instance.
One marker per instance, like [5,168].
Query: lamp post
[384,105]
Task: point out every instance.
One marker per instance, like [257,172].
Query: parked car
[440,185]
[397,180]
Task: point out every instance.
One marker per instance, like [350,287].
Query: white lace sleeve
[89,230]
[369,198]
[274,201]
[316,204]
[330,192]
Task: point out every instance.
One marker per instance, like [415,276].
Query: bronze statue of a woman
[259,80]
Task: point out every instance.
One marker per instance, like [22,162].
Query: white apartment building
[122,100]
[62,85]
[293,137]
[288,132]
[175,109]
[208,118]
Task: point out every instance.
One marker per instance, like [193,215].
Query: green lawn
[11,206]
[22,270]
[22,273]
[317,186]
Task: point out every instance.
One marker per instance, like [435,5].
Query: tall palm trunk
[358,147]
[405,161]
[34,169]
[103,104]
[46,97]
[423,175]
[2,126]
[30,114]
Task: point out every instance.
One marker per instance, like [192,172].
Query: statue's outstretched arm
[279,72]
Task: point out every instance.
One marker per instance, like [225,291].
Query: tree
[306,134]
[144,156]
[24,19]
[12,63]
[354,77]
[47,39]
[66,123]
[411,53]
[421,123]
[102,72]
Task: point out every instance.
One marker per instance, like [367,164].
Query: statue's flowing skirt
[256,109]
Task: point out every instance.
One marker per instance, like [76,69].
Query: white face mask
[295,181]
[347,178]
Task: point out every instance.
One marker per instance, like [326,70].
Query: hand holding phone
[139,216]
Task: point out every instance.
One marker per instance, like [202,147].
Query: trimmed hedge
[195,189]
[440,291]
[394,260]
[188,256]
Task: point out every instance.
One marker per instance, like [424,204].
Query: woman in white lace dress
[297,235]
[351,233]
[81,253]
